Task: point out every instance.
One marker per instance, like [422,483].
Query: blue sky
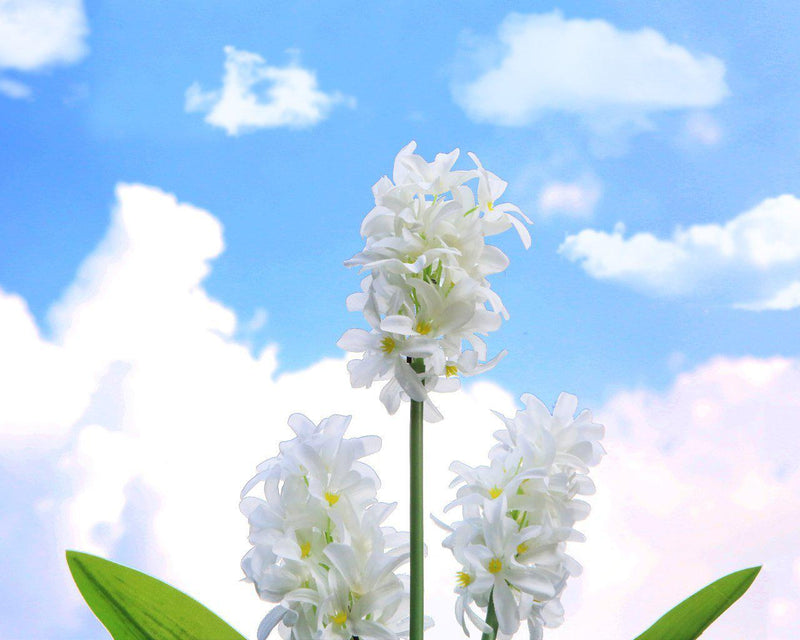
[675,119]
[290,200]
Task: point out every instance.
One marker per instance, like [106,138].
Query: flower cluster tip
[426,295]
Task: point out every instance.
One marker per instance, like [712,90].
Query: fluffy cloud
[610,78]
[701,479]
[752,261]
[574,199]
[255,95]
[35,34]
[130,432]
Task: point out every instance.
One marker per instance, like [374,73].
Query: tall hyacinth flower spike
[427,299]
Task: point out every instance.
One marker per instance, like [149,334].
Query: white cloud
[575,199]
[255,95]
[155,416]
[752,261]
[147,416]
[29,366]
[700,480]
[36,34]
[610,78]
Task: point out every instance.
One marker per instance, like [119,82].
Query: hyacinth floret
[320,549]
[518,513]
[427,296]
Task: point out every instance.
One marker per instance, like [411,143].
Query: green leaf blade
[135,606]
[694,615]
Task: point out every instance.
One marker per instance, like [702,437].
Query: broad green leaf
[693,616]
[135,606]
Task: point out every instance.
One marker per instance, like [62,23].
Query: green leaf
[135,606]
[693,616]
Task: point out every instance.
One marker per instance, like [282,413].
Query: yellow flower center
[521,548]
[388,344]
[340,617]
[305,549]
[494,492]
[495,566]
[490,205]
[423,327]
[450,370]
[332,498]
[463,579]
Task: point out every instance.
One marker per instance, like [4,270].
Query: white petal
[409,380]
[442,524]
[565,408]
[455,316]
[369,630]
[270,620]
[355,340]
[522,230]
[301,425]
[492,260]
[430,413]
[532,581]
[364,371]
[505,606]
[401,325]
[390,396]
[344,559]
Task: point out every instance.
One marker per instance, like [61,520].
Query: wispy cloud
[609,78]
[752,261]
[783,300]
[36,34]
[573,199]
[14,89]
[701,127]
[255,95]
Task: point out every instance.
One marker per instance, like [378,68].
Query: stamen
[423,327]
[332,498]
[463,579]
[388,344]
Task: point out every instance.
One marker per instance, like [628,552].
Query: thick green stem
[417,518]
[491,620]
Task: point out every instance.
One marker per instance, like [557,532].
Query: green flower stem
[491,620]
[417,517]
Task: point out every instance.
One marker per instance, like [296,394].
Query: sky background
[180,183]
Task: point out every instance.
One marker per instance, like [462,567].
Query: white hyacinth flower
[518,513]
[320,549]
[427,297]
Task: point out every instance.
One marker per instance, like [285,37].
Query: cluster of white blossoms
[319,548]
[427,295]
[518,514]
